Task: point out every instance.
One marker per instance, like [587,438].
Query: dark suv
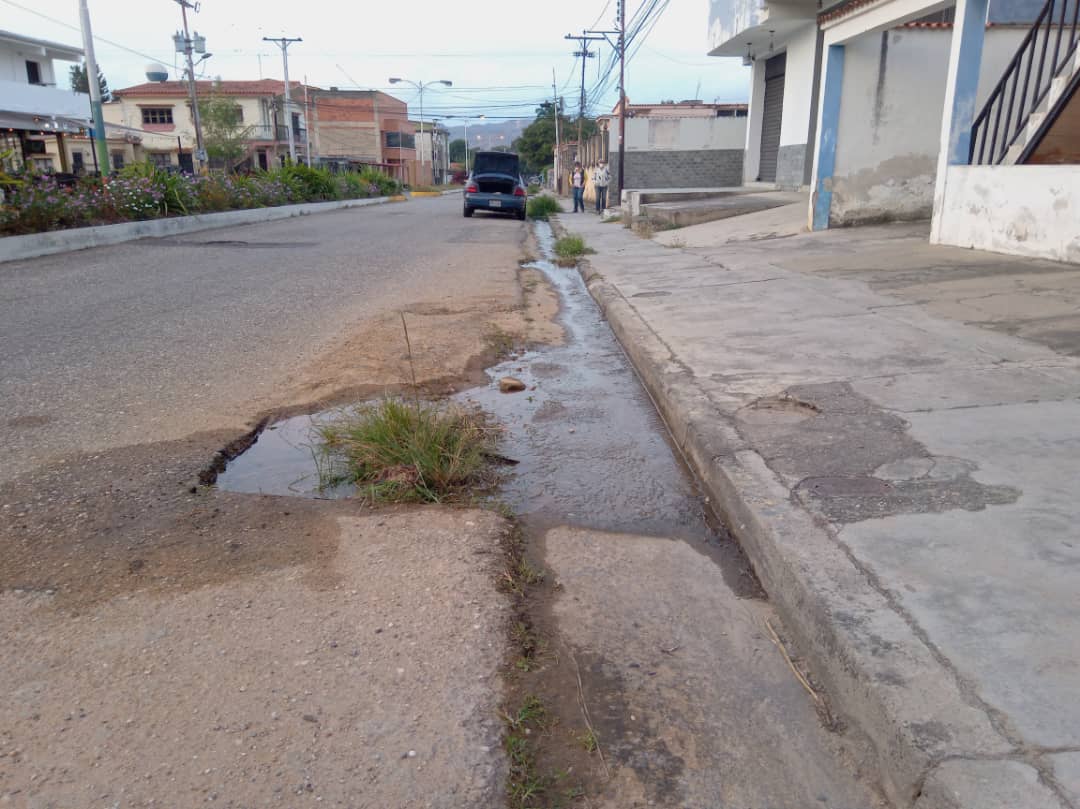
[495,184]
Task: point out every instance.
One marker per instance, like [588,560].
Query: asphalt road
[156,339]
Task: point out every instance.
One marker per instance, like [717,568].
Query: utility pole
[585,55]
[284,43]
[101,146]
[189,46]
[622,95]
[558,148]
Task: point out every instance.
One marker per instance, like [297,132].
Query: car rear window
[499,162]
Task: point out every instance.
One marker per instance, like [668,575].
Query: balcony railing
[275,134]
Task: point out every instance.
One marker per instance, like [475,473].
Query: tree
[224,133]
[457,151]
[537,142]
[77,77]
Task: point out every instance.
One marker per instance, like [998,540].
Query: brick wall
[704,168]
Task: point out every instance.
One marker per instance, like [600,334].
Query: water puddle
[592,450]
[284,461]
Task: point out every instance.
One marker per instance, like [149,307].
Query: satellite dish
[157,72]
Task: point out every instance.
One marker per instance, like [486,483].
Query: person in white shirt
[577,184]
[601,178]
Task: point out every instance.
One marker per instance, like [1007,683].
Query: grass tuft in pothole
[409,452]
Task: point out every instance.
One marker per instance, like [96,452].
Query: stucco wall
[684,133]
[752,157]
[890,120]
[1023,210]
[13,61]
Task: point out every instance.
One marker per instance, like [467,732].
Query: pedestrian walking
[601,180]
[577,184]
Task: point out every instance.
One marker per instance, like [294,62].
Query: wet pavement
[590,447]
[654,619]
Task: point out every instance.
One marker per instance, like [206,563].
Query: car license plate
[495,203]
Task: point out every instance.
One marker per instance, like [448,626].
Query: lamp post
[466,119]
[420,86]
[187,44]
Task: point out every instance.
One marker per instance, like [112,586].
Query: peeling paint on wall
[900,188]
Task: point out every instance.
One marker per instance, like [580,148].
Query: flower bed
[37,203]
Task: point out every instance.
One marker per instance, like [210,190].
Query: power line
[76,28]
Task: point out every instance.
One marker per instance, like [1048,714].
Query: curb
[922,726]
[33,245]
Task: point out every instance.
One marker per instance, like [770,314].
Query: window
[239,112]
[43,164]
[78,166]
[400,140]
[118,160]
[160,159]
[33,72]
[157,115]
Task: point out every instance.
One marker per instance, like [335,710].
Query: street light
[480,117]
[420,86]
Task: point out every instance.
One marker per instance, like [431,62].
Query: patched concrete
[987,785]
[900,465]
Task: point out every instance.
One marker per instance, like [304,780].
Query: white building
[871,104]
[35,114]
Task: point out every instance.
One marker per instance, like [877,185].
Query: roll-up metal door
[772,112]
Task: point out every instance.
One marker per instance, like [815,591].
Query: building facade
[36,113]
[876,106]
[363,128]
[161,113]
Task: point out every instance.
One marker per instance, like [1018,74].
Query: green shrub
[541,207]
[387,186]
[313,184]
[403,451]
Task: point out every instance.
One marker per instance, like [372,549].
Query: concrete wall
[704,168]
[1024,210]
[752,156]
[792,165]
[13,59]
[890,120]
[684,133]
[680,152]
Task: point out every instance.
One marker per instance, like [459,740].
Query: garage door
[770,122]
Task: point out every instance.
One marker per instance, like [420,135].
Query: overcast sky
[499,57]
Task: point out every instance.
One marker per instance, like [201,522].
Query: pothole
[777,410]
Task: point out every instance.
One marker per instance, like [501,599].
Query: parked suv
[495,184]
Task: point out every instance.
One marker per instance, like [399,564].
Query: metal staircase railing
[1047,48]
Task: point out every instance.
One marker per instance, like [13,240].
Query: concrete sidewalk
[893,432]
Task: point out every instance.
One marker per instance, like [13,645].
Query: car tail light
[471,188]
[519,191]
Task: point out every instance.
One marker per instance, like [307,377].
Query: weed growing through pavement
[542,207]
[676,243]
[569,249]
[498,341]
[588,741]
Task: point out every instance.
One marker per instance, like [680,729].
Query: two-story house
[162,111]
[36,115]
[353,128]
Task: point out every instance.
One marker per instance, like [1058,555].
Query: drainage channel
[591,449]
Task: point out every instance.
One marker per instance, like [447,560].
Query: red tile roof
[261,87]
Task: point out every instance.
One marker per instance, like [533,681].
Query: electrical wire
[77,28]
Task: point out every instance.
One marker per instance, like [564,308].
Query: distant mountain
[489,134]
